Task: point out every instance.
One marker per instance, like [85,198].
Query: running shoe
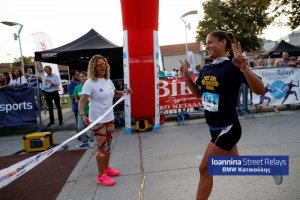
[278,179]
[91,145]
[105,180]
[65,147]
[81,145]
[112,172]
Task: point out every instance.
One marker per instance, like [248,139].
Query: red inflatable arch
[140,60]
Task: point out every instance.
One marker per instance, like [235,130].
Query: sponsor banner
[127,108]
[281,86]
[15,171]
[17,107]
[42,41]
[175,94]
[248,165]
[157,62]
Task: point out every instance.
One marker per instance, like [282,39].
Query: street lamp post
[17,36]
[192,12]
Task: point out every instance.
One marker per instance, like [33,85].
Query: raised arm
[185,74]
[255,84]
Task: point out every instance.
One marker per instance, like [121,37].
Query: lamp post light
[17,36]
[192,12]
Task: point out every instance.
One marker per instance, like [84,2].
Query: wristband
[243,70]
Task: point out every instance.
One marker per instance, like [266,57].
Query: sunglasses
[101,63]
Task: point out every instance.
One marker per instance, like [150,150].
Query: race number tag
[210,101]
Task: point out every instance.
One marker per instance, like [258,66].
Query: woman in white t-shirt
[99,90]
[17,78]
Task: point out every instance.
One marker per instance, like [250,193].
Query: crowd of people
[284,61]
[18,78]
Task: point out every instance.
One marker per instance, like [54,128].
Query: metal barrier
[181,114]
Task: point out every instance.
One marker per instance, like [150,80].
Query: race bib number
[210,101]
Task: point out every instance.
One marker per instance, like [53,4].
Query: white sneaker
[91,145]
[278,179]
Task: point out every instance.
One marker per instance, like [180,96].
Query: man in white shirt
[50,86]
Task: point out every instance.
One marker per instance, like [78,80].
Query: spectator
[173,73]
[278,62]
[261,63]
[81,125]
[50,86]
[32,80]
[271,62]
[286,59]
[177,71]
[292,62]
[4,79]
[71,86]
[100,91]
[243,92]
[252,64]
[191,71]
[198,68]
[17,78]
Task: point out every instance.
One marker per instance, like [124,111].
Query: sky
[66,20]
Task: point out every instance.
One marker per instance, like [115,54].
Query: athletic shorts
[104,134]
[226,137]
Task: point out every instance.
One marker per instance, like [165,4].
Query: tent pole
[38,98]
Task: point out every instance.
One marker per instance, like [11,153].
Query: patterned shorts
[104,135]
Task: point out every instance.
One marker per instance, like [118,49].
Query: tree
[245,18]
[290,9]
[27,61]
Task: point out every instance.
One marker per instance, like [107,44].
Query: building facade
[172,54]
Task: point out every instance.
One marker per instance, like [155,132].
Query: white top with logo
[101,94]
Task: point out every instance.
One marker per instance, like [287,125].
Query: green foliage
[290,9]
[244,18]
[27,61]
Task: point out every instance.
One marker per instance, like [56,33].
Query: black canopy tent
[77,54]
[281,47]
